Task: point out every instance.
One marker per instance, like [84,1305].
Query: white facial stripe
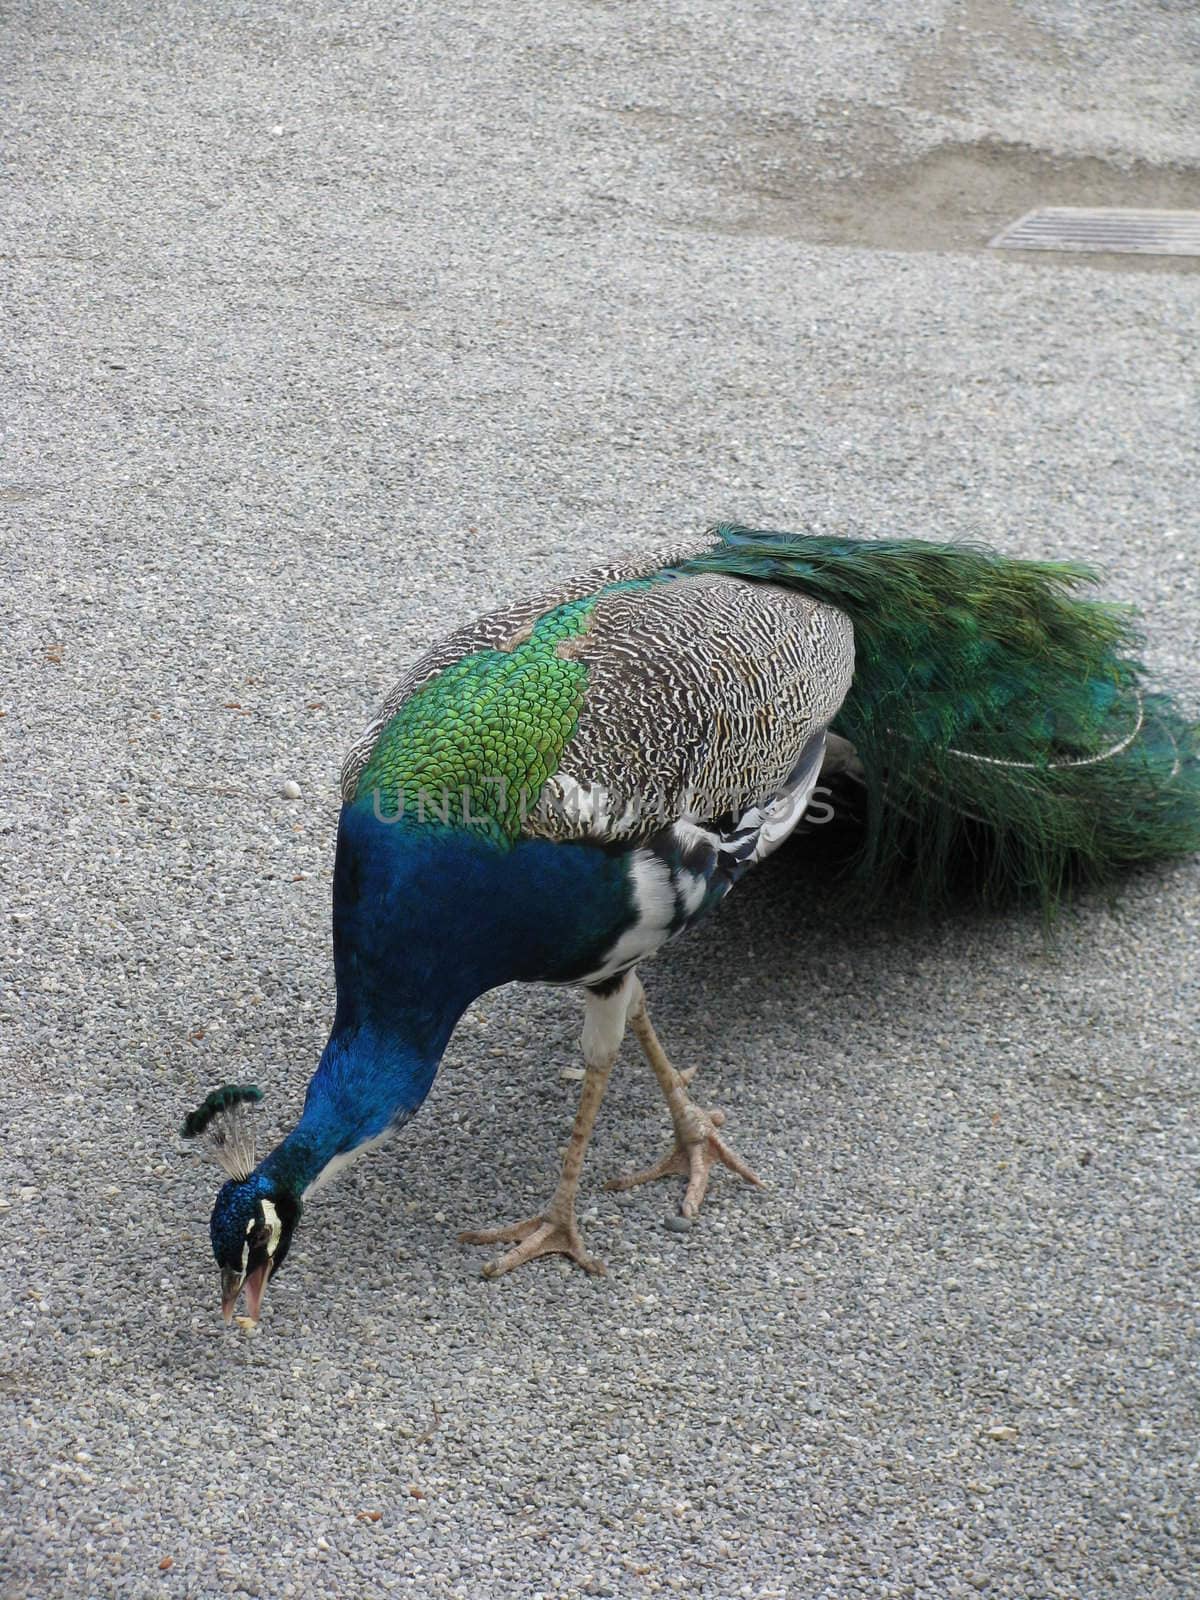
[276,1227]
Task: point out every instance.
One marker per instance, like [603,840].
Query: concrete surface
[327,326]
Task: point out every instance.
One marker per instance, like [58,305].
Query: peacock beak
[231,1285]
[256,1282]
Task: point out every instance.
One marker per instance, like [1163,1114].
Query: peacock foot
[698,1147]
[535,1236]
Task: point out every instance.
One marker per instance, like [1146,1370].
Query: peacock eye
[257,1234]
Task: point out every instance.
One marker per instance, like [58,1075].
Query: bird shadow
[800,1013]
[778,974]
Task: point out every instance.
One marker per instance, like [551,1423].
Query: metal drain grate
[1153,233]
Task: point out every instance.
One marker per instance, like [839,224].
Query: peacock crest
[224,1122]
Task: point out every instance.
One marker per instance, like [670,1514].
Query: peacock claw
[535,1236]
[697,1149]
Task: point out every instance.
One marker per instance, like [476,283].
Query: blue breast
[427,918]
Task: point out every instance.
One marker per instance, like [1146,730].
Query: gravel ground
[325,329]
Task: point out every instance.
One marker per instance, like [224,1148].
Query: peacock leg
[554,1230]
[698,1146]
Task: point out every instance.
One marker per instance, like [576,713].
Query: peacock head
[251,1229]
[255,1215]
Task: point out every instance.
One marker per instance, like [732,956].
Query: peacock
[553,792]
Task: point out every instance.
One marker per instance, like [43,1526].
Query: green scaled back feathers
[998,716]
[475,744]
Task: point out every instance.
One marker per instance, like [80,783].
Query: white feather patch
[654,907]
[691,835]
[604,1025]
[339,1162]
[692,889]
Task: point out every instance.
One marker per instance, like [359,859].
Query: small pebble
[290,789]
[677,1224]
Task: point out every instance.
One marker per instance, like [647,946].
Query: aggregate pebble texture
[327,327]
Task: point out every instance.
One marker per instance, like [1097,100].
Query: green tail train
[1001,719]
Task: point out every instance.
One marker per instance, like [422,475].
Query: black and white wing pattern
[703,694]
[700,742]
[499,630]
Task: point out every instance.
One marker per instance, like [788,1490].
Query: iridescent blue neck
[411,952]
[426,919]
[367,1085]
